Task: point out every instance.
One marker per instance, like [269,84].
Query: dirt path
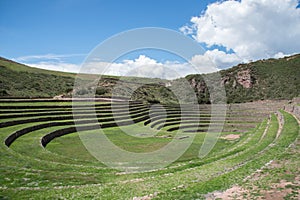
[267,128]
[280,123]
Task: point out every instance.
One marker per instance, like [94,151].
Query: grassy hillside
[17,80]
[260,80]
[18,67]
[21,81]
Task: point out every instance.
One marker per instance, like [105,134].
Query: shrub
[101,91]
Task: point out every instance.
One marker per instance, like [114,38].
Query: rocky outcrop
[244,78]
[200,86]
[295,109]
[225,80]
[168,84]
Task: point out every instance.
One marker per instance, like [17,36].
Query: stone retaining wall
[293,109]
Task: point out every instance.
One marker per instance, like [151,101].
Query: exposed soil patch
[147,197]
[231,137]
[236,192]
[277,191]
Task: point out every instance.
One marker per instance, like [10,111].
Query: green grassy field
[64,168]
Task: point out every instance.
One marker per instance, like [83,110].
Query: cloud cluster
[253,29]
[56,62]
[56,57]
[55,66]
[144,66]
[222,59]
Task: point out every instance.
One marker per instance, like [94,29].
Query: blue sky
[38,27]
[59,34]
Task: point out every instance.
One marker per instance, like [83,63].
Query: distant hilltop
[259,80]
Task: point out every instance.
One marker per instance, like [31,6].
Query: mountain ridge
[258,80]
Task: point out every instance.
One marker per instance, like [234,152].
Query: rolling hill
[18,80]
[259,80]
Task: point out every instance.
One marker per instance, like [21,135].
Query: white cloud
[56,62]
[280,55]
[144,66]
[203,64]
[222,59]
[56,66]
[187,30]
[57,57]
[214,60]
[253,29]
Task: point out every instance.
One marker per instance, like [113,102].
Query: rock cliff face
[244,78]
[259,80]
[199,86]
